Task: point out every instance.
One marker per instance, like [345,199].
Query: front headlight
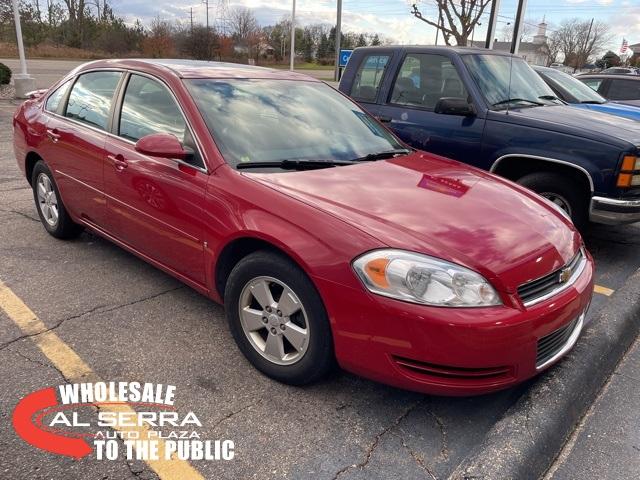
[418,278]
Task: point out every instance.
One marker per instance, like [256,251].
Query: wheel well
[235,251]
[30,163]
[514,168]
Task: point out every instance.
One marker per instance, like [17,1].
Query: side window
[424,79]
[91,97]
[148,107]
[593,83]
[53,102]
[624,90]
[368,78]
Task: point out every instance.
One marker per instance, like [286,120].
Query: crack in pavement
[16,212]
[236,412]
[444,450]
[369,452]
[417,458]
[88,312]
[44,364]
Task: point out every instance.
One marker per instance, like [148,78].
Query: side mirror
[454,106]
[164,145]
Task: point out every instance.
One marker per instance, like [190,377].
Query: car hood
[611,108]
[442,208]
[580,120]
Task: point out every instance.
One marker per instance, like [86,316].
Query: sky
[392,18]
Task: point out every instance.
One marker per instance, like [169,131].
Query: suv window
[593,83]
[91,97]
[148,107]
[624,90]
[368,77]
[424,79]
[53,102]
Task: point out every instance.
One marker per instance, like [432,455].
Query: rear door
[623,89]
[76,136]
[155,204]
[420,82]
[368,79]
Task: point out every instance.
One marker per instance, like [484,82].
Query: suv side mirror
[454,106]
[164,145]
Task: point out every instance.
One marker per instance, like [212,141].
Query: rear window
[368,77]
[91,97]
[624,90]
[53,102]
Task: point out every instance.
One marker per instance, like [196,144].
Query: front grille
[452,373]
[542,287]
[554,342]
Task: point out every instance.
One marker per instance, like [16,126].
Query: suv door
[368,80]
[155,204]
[421,81]
[623,89]
[76,135]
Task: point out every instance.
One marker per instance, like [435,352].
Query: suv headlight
[418,278]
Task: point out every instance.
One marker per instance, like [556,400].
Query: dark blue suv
[491,110]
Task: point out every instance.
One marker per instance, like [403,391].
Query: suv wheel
[558,190]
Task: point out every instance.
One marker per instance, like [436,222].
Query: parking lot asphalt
[131,322]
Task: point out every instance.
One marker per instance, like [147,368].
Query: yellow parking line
[76,370]
[603,290]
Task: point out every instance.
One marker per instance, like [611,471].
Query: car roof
[626,76]
[437,48]
[197,69]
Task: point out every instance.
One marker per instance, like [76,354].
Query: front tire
[51,210]
[278,319]
[560,191]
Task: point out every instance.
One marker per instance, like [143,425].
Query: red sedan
[326,238]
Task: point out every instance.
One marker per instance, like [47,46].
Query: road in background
[47,72]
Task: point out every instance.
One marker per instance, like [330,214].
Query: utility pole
[584,48]
[491,28]
[191,22]
[292,54]
[23,82]
[338,39]
[517,30]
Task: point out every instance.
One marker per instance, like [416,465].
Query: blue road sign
[344,57]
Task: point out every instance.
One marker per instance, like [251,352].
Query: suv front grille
[537,290]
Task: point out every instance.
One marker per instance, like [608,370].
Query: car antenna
[509,88]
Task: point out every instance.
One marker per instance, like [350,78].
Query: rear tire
[51,210]
[278,319]
[557,188]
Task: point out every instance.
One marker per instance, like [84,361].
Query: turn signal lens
[624,180]
[630,163]
[376,270]
[418,278]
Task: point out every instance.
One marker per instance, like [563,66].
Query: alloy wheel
[559,200]
[274,320]
[47,199]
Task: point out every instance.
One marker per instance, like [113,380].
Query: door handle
[384,118]
[53,135]
[119,163]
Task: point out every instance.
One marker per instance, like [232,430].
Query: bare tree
[461,18]
[525,32]
[245,29]
[579,40]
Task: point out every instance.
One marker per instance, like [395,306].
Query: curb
[524,443]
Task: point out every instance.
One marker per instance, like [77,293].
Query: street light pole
[338,39]
[293,36]
[23,82]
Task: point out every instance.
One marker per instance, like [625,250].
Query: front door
[155,204]
[422,80]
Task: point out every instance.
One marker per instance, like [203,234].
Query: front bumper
[450,351]
[611,211]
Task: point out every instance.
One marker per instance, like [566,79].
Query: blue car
[573,91]
[491,110]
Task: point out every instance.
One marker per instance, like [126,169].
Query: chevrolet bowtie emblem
[565,275]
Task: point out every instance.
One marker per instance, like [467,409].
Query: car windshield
[575,87]
[266,120]
[508,81]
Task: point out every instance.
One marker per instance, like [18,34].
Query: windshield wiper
[592,102]
[383,155]
[295,164]
[509,100]
[549,97]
